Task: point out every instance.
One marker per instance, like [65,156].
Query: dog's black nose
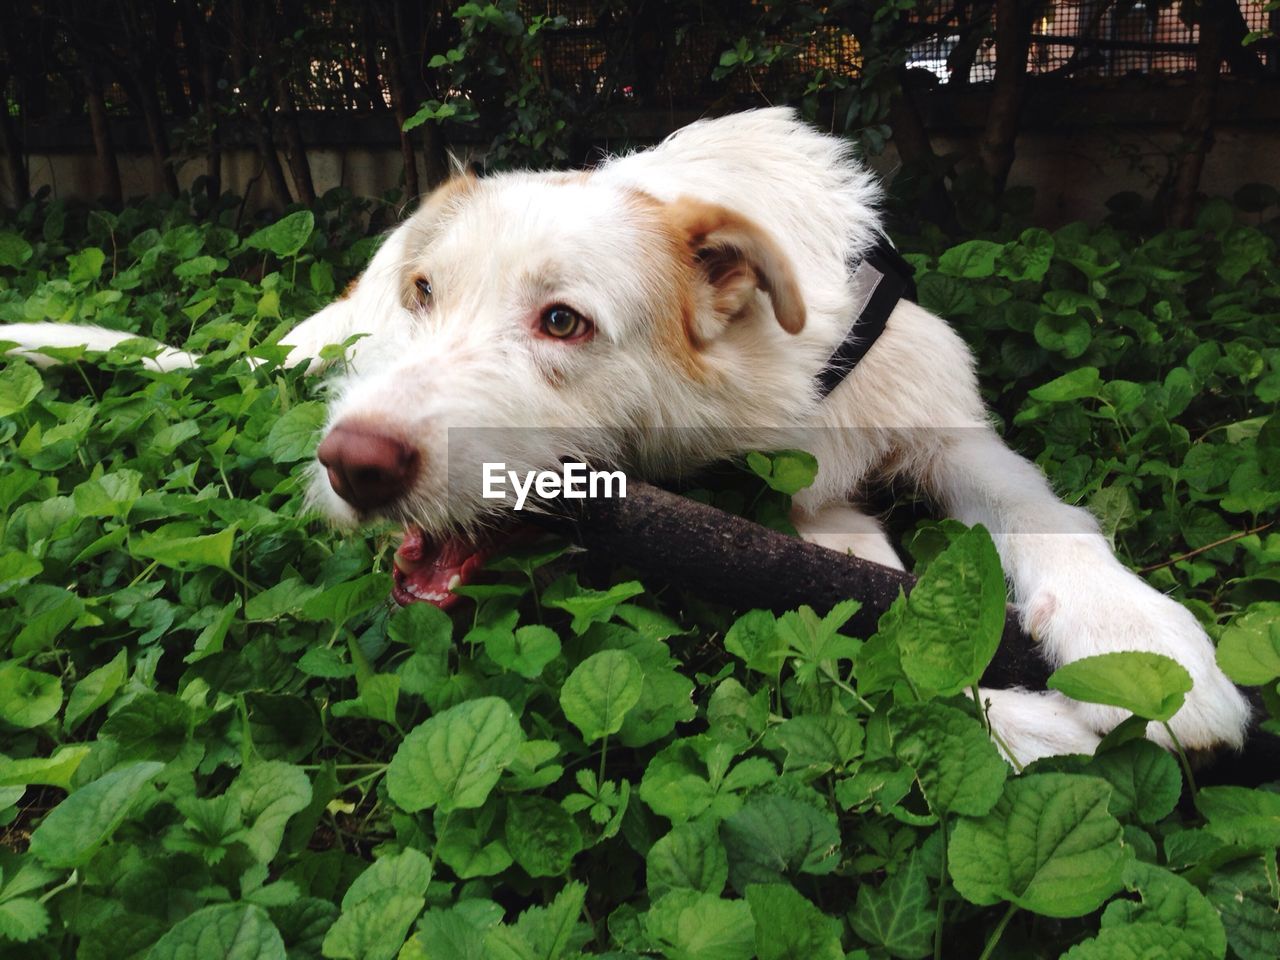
[367,468]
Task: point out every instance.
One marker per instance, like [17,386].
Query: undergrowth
[219,739]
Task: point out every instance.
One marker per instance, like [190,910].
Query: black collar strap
[880,280]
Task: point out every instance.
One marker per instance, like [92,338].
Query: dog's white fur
[714,267]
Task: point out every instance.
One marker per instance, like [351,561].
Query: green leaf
[296,432]
[1139,941]
[56,610]
[1145,780]
[1078,384]
[773,837]
[1148,684]
[789,927]
[1168,899]
[787,471]
[1249,651]
[542,837]
[754,639]
[454,759]
[598,693]
[286,236]
[179,552]
[111,495]
[542,933]
[526,650]
[1250,818]
[589,606]
[698,926]
[1066,335]
[74,830]
[957,765]
[19,384]
[818,741]
[22,920]
[54,771]
[1245,896]
[690,857]
[954,616]
[230,931]
[379,907]
[28,698]
[269,793]
[14,250]
[971,259]
[85,266]
[897,915]
[1050,846]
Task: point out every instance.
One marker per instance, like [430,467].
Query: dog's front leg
[1076,598]
[842,527]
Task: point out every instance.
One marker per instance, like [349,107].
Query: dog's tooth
[455,581]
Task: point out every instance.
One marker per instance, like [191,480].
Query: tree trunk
[918,157]
[1197,129]
[295,150]
[1013,39]
[412,23]
[400,105]
[100,127]
[11,144]
[199,46]
[144,94]
[241,53]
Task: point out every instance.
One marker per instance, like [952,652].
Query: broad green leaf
[22,919]
[454,759]
[1245,896]
[1250,818]
[152,726]
[1148,684]
[898,915]
[972,259]
[542,933]
[111,495]
[73,831]
[14,250]
[1138,941]
[1049,846]
[666,698]
[698,926]
[54,771]
[1249,651]
[28,698]
[1170,900]
[45,620]
[690,857]
[19,384]
[286,236]
[787,471]
[296,432]
[954,616]
[468,851]
[598,693]
[957,765]
[525,650]
[211,550]
[1076,385]
[85,266]
[227,931]
[773,837]
[754,638]
[1145,780]
[270,793]
[541,836]
[589,606]
[379,907]
[789,927]
[818,741]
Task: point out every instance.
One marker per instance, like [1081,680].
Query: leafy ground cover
[220,740]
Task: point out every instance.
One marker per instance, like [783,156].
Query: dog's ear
[735,256]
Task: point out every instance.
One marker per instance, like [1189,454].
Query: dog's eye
[424,289]
[562,323]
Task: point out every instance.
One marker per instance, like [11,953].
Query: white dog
[671,308]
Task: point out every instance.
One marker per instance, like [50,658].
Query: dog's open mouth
[427,570]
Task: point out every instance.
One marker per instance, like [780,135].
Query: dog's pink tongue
[426,571]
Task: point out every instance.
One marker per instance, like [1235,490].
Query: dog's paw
[1117,611]
[1029,726]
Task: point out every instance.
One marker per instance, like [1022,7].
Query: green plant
[219,739]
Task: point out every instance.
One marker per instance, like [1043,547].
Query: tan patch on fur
[677,310]
[350,288]
[735,254]
[434,210]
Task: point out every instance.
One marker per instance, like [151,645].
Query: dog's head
[527,318]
